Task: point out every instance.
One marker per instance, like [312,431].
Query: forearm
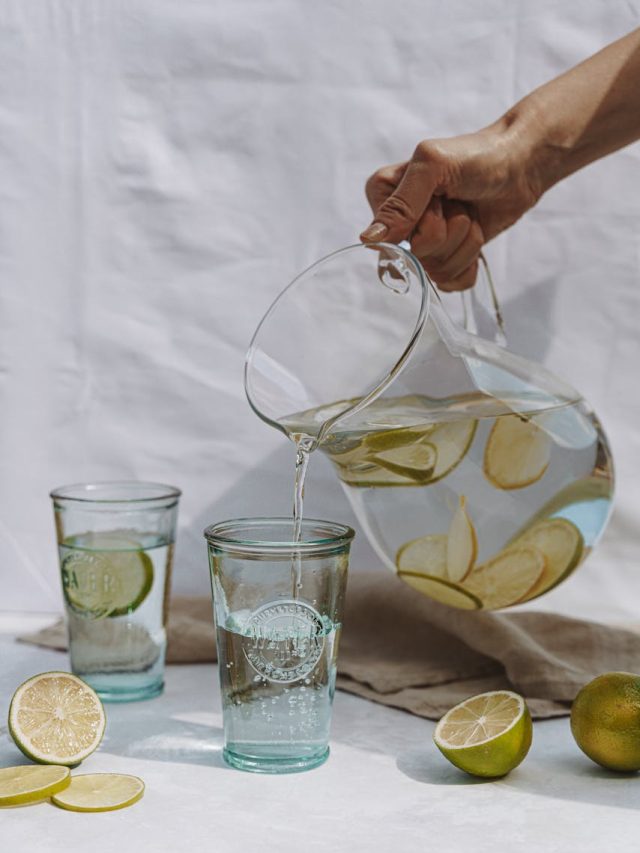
[586,113]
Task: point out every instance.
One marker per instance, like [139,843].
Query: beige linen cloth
[401,649]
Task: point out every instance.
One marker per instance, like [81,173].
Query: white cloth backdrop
[166,167]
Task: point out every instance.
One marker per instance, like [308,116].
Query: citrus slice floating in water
[507,577]
[517,453]
[28,784]
[415,461]
[487,735]
[100,792]
[451,440]
[105,574]
[462,544]
[442,590]
[562,545]
[55,718]
[426,555]
[405,456]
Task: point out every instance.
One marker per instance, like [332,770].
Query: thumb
[398,215]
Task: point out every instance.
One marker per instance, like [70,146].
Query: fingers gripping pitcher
[480,478]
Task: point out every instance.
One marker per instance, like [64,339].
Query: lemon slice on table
[55,718]
[426,555]
[517,453]
[28,784]
[562,545]
[106,574]
[100,792]
[507,578]
[487,735]
[442,590]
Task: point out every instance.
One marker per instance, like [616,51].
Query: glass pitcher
[479,477]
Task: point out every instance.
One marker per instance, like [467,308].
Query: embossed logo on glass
[89,588]
[283,640]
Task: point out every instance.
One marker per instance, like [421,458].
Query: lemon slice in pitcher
[28,784]
[562,545]
[517,453]
[507,577]
[55,718]
[100,792]
[442,590]
[105,574]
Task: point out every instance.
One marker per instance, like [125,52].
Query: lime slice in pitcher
[562,545]
[426,555]
[517,453]
[105,574]
[442,590]
[462,543]
[451,441]
[414,462]
[424,455]
[507,578]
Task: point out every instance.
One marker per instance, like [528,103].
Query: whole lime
[605,720]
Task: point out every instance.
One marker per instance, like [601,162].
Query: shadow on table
[173,739]
[560,776]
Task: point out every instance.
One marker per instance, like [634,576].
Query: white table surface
[385,786]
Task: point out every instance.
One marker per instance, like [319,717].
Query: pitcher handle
[470,323]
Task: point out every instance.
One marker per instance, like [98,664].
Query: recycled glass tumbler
[278,608]
[115,544]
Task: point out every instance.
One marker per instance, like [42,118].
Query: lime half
[100,792]
[28,784]
[105,574]
[55,718]
[487,735]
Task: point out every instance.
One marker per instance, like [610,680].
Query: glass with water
[115,544]
[278,604]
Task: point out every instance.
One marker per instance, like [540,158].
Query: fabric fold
[403,650]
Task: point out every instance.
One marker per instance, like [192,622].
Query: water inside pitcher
[479,477]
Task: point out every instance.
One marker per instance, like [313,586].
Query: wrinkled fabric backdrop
[167,167]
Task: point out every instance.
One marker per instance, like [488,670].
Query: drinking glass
[278,607]
[115,544]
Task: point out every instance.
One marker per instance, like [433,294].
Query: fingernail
[376,231]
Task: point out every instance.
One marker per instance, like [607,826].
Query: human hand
[451,198]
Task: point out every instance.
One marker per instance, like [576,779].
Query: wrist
[538,151]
